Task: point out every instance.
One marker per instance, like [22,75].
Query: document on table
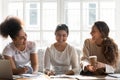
[63,76]
[114,75]
[32,76]
[58,76]
[26,76]
[79,77]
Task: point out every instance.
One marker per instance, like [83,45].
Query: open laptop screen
[5,69]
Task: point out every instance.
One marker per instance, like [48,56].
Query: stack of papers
[31,75]
[114,75]
[37,76]
[64,76]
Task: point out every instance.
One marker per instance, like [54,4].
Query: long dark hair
[109,48]
[10,26]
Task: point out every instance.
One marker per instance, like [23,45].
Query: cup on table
[93,60]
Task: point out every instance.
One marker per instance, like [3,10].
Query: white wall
[117,14]
[3,9]
[0,10]
[3,14]
[117,22]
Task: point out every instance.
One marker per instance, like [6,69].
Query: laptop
[6,70]
[7,74]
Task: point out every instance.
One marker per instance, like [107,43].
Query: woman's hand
[90,68]
[70,72]
[100,65]
[22,70]
[50,72]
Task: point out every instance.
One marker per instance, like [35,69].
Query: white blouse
[61,62]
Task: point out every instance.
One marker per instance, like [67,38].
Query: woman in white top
[20,52]
[102,46]
[61,56]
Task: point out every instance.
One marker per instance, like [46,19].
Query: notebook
[116,75]
[6,70]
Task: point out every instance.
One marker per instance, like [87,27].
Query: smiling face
[21,38]
[61,36]
[95,33]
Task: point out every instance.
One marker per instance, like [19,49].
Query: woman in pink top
[20,52]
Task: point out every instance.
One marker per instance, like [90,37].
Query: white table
[70,77]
